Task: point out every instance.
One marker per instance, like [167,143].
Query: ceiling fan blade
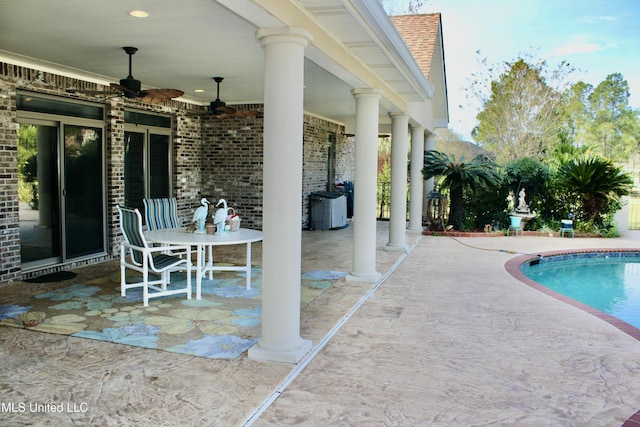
[156,96]
[240,114]
[225,110]
[247,113]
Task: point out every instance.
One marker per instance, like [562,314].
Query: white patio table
[204,264]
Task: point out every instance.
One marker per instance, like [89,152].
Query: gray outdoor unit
[327,210]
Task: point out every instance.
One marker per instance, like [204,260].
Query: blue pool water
[609,282]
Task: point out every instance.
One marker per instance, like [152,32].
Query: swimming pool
[608,281]
[529,263]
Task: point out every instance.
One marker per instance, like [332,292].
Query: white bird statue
[200,216]
[220,216]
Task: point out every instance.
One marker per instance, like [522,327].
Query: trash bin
[327,210]
[346,188]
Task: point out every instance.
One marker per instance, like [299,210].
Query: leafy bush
[460,177]
[597,185]
[488,205]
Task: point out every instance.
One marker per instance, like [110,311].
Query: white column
[416,195]
[428,184]
[282,206]
[398,212]
[366,176]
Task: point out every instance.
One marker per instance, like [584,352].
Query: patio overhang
[355,45]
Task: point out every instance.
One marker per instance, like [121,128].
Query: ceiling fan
[130,87]
[220,109]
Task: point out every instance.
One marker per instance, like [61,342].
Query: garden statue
[511,201]
[522,210]
[522,204]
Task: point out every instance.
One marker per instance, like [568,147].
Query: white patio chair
[148,260]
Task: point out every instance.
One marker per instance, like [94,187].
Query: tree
[613,124]
[521,115]
[565,150]
[600,118]
[596,182]
[451,143]
[412,7]
[384,176]
[27,164]
[576,110]
[458,176]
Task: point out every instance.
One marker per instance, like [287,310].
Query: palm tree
[595,181]
[459,176]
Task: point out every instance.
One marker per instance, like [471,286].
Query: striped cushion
[161,213]
[131,224]
[162,261]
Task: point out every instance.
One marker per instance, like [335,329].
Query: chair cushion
[161,213]
[162,261]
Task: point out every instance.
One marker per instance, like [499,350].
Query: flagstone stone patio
[447,338]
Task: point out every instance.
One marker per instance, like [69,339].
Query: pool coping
[513,265]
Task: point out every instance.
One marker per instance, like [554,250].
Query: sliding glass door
[61,181]
[147,165]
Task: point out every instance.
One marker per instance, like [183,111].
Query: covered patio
[446,338]
[308,87]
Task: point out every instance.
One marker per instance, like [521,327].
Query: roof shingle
[420,33]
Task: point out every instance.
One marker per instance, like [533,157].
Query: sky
[597,37]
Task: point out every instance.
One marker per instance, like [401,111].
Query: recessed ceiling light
[198,90]
[138,13]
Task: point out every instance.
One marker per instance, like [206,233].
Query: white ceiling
[183,44]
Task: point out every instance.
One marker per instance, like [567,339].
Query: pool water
[609,283]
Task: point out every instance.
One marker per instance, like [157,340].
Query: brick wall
[9,209]
[232,156]
[187,164]
[319,136]
[115,171]
[213,158]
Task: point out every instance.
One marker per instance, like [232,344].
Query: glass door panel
[134,187]
[159,167]
[83,191]
[38,193]
[147,167]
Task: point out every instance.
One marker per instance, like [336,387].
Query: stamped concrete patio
[446,338]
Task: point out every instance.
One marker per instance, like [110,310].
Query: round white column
[366,175]
[417,182]
[398,212]
[282,204]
